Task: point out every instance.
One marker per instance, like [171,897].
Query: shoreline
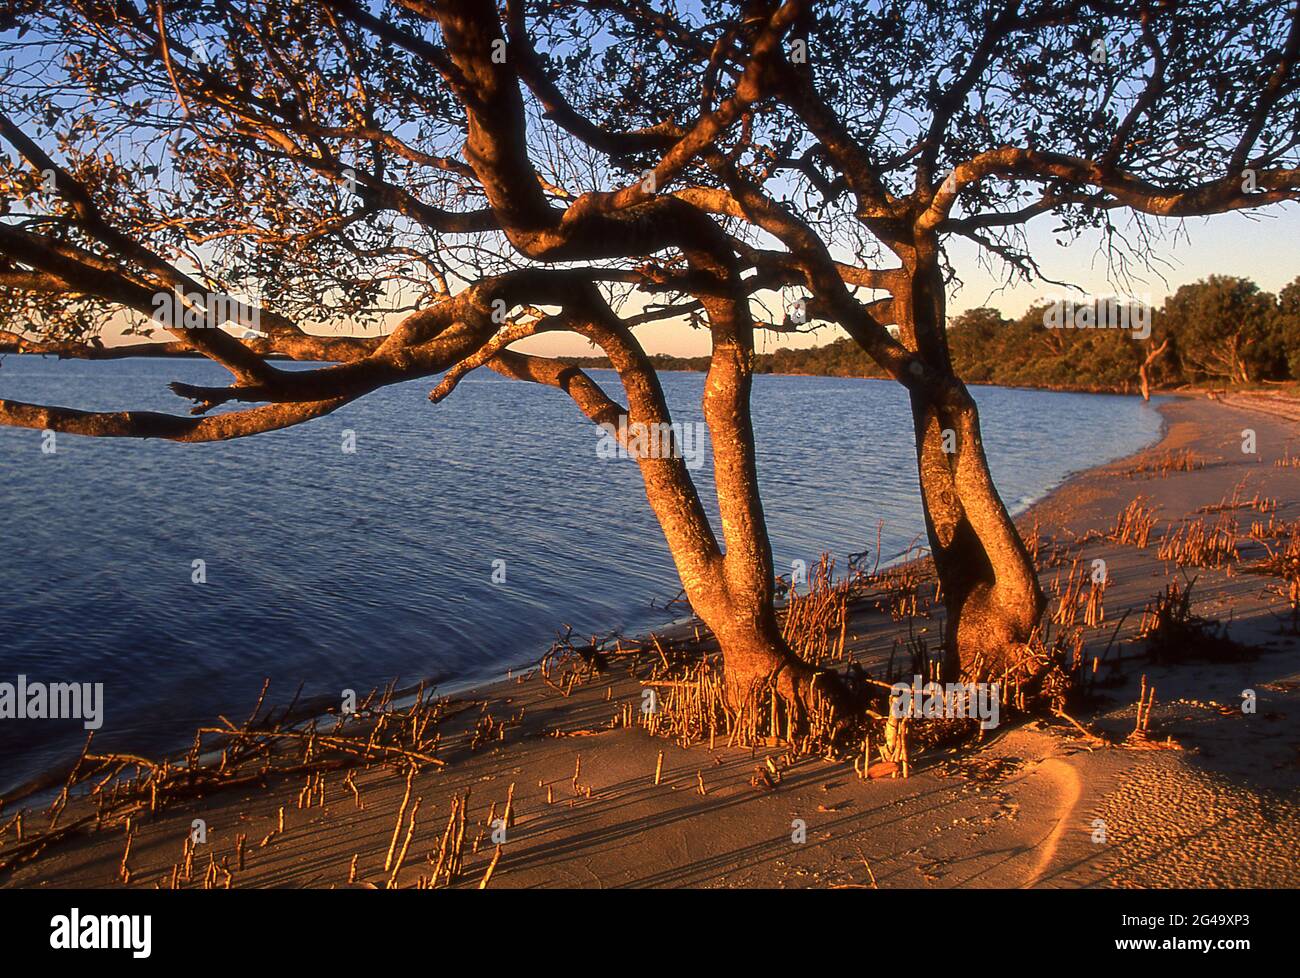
[50,776]
[1027,788]
[1284,389]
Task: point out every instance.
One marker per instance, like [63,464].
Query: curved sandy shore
[1025,809]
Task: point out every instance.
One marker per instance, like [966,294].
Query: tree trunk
[1153,354]
[755,655]
[757,660]
[732,592]
[989,584]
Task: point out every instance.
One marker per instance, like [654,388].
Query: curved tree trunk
[742,612]
[989,584]
[733,593]
[1144,371]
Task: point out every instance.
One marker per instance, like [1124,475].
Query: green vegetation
[1221,331]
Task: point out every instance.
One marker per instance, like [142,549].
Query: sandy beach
[1209,797]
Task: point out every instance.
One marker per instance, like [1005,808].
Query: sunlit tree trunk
[756,655]
[733,591]
[989,585]
[1144,372]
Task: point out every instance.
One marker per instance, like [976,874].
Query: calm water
[345,570]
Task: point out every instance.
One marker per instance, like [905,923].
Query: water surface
[346,570]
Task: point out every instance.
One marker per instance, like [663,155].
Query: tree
[1288,304]
[1153,355]
[915,122]
[596,165]
[977,339]
[1227,330]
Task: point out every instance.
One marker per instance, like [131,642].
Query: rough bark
[754,652]
[989,586]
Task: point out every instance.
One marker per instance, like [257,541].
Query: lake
[344,570]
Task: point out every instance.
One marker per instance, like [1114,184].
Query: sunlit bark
[989,584]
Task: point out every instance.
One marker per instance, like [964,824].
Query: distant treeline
[1221,330]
